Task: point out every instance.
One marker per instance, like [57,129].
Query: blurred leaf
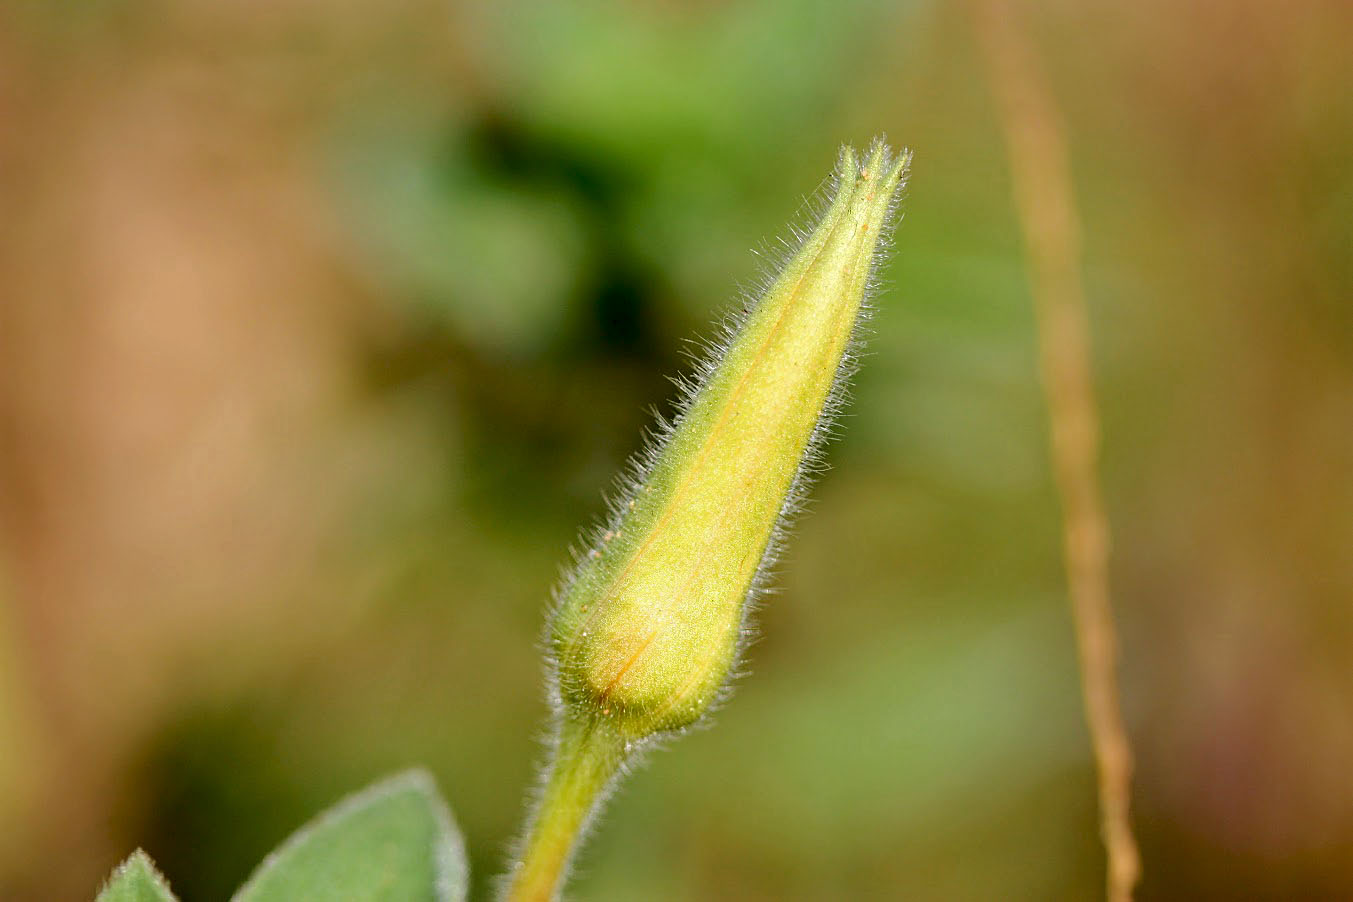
[393,841]
[136,880]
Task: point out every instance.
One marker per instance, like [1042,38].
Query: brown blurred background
[324,326]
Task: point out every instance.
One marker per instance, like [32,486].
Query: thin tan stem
[1044,201]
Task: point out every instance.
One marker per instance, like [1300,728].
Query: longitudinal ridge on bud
[648,628]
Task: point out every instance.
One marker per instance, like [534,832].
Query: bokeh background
[324,326]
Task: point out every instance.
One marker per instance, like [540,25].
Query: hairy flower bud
[649,628]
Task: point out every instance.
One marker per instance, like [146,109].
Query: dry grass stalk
[1044,200]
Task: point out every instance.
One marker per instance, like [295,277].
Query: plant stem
[1045,201]
[586,756]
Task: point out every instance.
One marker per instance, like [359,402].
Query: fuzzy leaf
[136,880]
[392,842]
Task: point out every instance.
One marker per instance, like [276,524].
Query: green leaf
[392,842]
[136,880]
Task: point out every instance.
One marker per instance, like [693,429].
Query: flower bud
[649,628]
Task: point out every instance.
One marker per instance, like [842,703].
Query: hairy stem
[587,757]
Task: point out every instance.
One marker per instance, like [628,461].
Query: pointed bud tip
[882,169]
[847,165]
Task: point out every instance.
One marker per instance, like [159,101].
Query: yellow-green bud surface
[649,629]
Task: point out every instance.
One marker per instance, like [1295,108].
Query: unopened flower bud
[649,628]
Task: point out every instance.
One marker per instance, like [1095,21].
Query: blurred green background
[325,326]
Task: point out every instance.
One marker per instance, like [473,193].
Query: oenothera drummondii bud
[648,630]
